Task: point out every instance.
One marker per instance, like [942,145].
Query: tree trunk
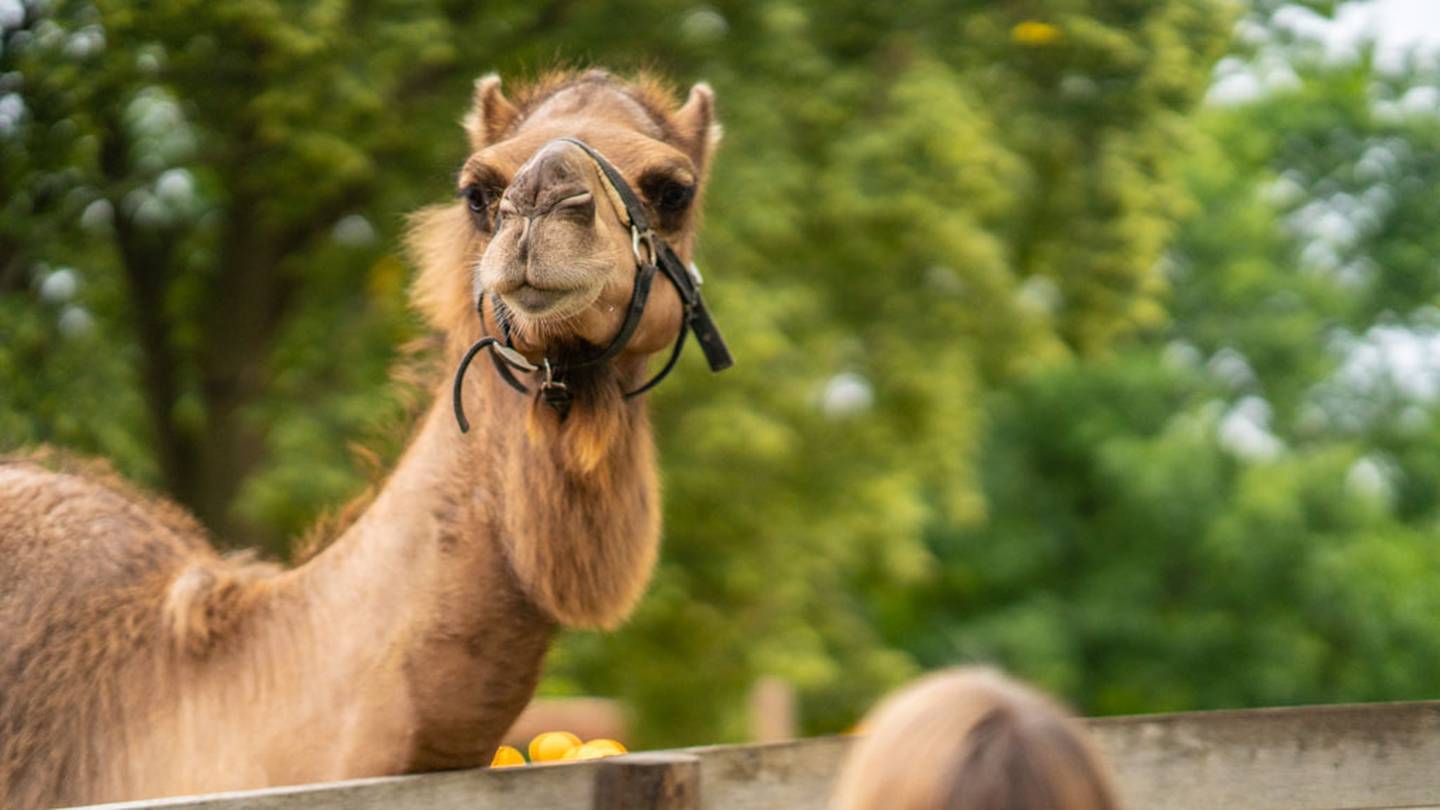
[248,302]
[146,258]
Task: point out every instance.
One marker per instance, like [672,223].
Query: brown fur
[135,661]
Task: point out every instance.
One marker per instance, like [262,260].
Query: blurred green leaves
[1239,508]
[1038,364]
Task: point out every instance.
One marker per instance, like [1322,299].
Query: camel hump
[69,539]
[55,493]
[84,563]
[72,540]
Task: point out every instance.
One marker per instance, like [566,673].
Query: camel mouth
[547,305]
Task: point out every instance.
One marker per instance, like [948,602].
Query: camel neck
[434,610]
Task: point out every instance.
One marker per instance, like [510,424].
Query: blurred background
[1094,338]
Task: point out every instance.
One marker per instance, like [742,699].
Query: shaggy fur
[137,662]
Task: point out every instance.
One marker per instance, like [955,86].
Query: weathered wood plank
[790,775]
[542,787]
[1310,758]
[660,781]
[1363,757]
[1368,757]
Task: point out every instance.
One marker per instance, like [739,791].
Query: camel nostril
[550,178]
[577,207]
[580,200]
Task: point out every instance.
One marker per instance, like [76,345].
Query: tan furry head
[979,741]
[635,123]
[507,237]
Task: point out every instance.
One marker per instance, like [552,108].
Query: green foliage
[921,211]
[1238,509]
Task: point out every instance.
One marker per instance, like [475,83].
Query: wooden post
[772,710]
[658,781]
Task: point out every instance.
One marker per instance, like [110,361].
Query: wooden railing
[1363,757]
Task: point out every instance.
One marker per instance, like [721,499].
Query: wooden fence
[1363,757]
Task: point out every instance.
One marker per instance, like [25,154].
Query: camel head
[538,231]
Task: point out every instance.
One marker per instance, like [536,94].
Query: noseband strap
[652,254]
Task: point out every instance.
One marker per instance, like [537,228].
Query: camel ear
[490,114]
[695,123]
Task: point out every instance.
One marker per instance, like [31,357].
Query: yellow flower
[1035,33]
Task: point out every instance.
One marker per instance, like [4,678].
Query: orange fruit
[611,748]
[506,757]
[596,749]
[552,746]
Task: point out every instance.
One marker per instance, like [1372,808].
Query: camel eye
[480,198]
[670,196]
[675,196]
[476,198]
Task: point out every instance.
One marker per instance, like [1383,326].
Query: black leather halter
[652,254]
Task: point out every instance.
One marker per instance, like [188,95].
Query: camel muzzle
[652,254]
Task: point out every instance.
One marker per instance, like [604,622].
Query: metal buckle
[514,358]
[553,392]
[695,274]
[648,238]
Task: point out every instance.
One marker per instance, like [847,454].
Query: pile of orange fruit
[557,746]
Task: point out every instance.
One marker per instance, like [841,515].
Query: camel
[136,661]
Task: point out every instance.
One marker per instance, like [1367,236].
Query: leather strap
[669,364]
[644,278]
[717,354]
[498,307]
[634,209]
[697,315]
[457,389]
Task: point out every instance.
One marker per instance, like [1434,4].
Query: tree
[914,205]
[1239,508]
